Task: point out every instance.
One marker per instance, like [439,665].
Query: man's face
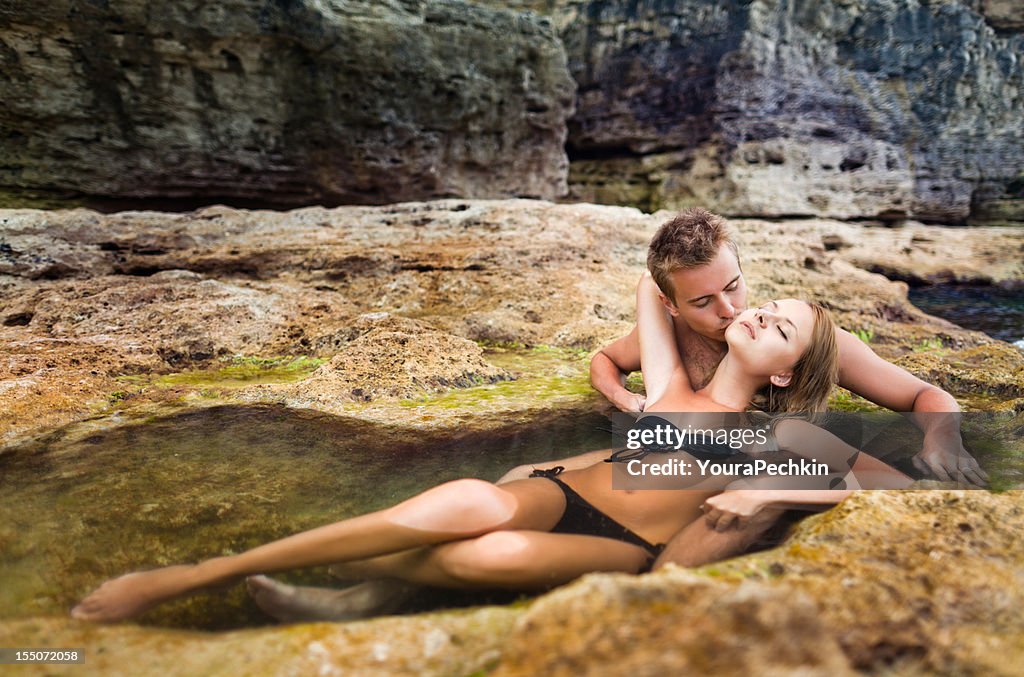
[710,297]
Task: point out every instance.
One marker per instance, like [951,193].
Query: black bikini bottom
[580,517]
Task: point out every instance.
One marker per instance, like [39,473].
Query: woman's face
[769,340]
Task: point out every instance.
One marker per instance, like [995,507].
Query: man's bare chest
[699,359]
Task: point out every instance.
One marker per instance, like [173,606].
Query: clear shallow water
[216,481]
[76,510]
[997,312]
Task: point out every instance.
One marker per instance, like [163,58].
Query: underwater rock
[841,596]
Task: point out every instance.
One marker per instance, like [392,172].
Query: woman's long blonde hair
[814,374]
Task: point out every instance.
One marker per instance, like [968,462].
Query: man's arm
[608,370]
[863,372]
[611,364]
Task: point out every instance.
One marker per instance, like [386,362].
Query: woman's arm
[746,498]
[737,507]
[659,355]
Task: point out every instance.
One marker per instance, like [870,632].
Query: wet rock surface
[876,605]
[395,358]
[840,597]
[478,292]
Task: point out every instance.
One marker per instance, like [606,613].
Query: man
[696,266]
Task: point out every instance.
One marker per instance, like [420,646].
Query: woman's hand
[735,508]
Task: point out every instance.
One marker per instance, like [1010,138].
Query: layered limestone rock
[856,109]
[863,109]
[279,103]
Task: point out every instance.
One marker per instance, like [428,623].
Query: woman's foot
[130,595]
[290,604]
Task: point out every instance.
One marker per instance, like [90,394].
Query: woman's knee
[491,557]
[464,507]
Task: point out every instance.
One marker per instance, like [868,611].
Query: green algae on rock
[93,298]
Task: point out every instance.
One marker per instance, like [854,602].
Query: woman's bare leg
[527,560]
[520,560]
[452,511]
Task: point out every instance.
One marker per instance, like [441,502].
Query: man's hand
[736,508]
[629,401]
[936,412]
[949,462]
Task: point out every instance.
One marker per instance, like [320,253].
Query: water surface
[216,481]
[997,312]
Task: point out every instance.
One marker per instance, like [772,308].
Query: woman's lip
[750,329]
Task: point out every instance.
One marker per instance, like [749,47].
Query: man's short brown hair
[690,239]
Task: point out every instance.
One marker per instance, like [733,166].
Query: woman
[528,534]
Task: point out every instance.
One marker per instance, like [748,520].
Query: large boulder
[278,103]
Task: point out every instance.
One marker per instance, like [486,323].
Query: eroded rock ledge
[86,298]
[286,103]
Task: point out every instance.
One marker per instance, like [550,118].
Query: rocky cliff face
[853,109]
[290,102]
[844,109]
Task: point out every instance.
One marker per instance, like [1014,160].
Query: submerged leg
[529,560]
[291,603]
[452,511]
[698,544]
[520,560]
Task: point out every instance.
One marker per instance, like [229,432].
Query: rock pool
[82,505]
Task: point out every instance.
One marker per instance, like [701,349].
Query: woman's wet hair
[814,374]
